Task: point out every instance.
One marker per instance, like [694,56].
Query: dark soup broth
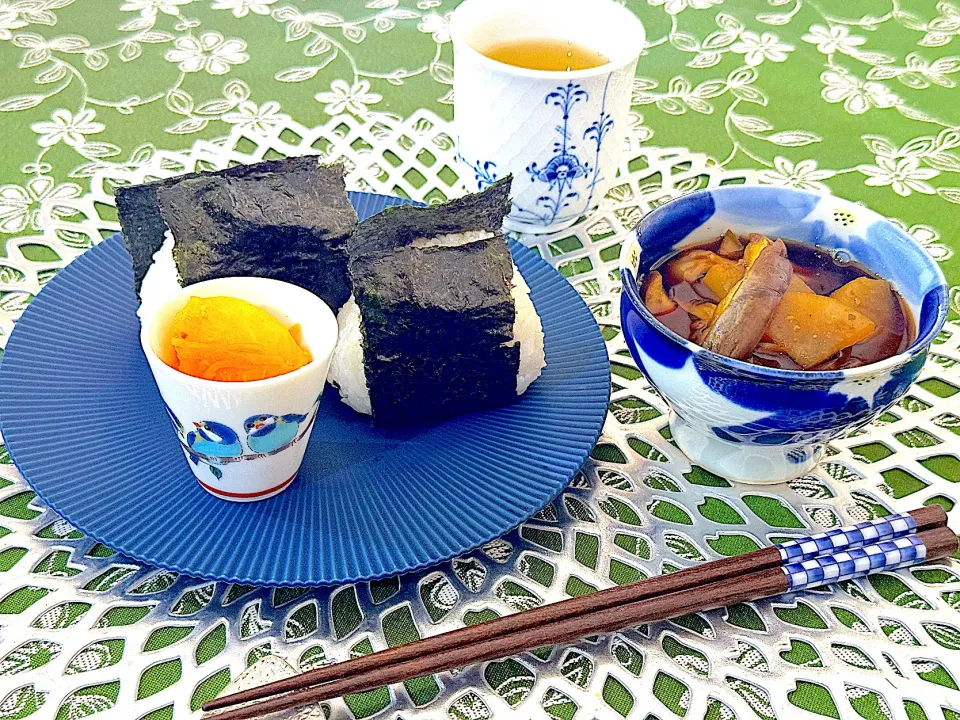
[778,303]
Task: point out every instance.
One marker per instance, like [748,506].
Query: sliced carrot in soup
[720,279]
[875,299]
[798,285]
[700,309]
[757,244]
[812,328]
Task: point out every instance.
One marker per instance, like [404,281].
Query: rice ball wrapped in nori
[440,323]
[285,219]
[347,368]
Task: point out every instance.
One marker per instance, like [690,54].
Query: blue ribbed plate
[85,425]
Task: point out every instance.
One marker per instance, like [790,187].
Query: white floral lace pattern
[93,633]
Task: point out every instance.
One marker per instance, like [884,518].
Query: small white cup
[244,441]
[559,133]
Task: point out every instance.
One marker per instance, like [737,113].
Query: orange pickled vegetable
[231,340]
[812,328]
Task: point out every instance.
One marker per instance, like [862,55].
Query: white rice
[346,367]
[347,371]
[162,280]
[528,331]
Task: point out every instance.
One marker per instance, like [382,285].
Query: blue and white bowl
[756,424]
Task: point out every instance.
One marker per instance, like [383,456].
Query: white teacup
[245,441]
[558,132]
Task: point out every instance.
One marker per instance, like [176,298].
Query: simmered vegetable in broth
[778,303]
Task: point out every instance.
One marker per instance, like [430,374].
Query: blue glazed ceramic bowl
[756,424]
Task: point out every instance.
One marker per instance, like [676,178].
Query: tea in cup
[542,91]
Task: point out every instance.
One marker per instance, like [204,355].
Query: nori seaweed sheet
[285,219]
[437,322]
[143,227]
[142,223]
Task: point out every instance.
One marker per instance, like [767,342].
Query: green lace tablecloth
[854,97]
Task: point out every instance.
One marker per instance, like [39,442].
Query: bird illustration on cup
[214,443]
[266,433]
[214,439]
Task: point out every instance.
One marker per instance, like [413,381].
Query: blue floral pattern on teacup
[485,171]
[562,171]
[570,180]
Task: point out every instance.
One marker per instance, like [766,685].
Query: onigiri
[347,370]
[440,322]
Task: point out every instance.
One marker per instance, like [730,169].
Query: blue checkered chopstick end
[845,538]
[856,562]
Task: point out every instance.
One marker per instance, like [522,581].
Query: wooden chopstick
[927,545]
[922,518]
[508,631]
